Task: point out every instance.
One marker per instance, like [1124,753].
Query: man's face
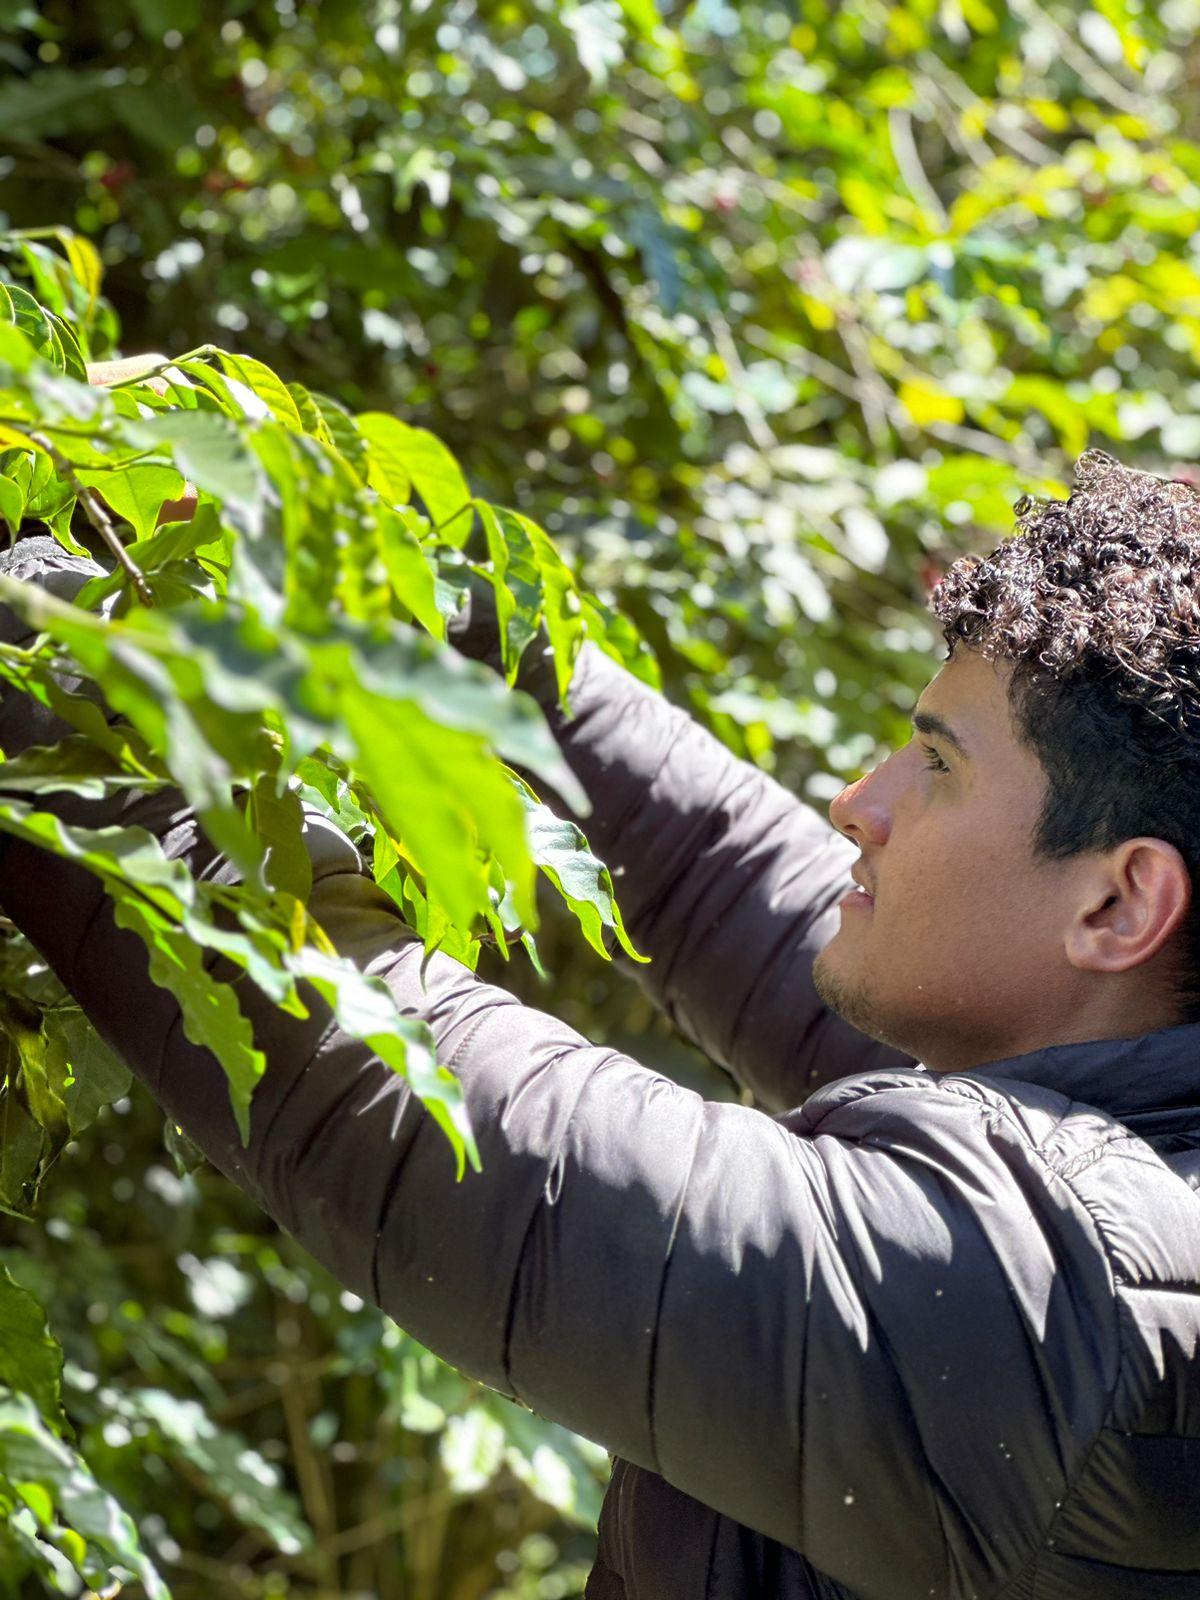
[959,957]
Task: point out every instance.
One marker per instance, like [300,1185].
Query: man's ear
[1135,899]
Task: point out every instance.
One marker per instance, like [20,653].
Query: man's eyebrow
[929,722]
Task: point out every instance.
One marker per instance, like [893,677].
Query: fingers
[180,510]
[102,374]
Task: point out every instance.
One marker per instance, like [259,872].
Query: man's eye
[932,760]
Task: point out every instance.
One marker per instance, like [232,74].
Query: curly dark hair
[1095,601]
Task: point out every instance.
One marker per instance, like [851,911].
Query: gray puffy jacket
[916,1337]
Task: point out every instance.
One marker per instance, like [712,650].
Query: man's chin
[850,998]
[858,1003]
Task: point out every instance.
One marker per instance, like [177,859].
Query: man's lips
[860,897]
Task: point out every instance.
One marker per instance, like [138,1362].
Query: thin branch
[97,515]
[908,159]
[955,90]
[1098,79]
[752,413]
[48,161]
[870,390]
[987,444]
[975,150]
[311,1470]
[399,1517]
[867,391]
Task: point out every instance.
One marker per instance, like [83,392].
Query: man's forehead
[966,702]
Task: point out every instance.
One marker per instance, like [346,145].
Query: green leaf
[172,543]
[72,766]
[94,1075]
[84,261]
[365,1009]
[441,791]
[42,1083]
[562,854]
[278,819]
[30,1357]
[321,788]
[136,493]
[310,415]
[31,676]
[269,388]
[618,637]
[73,359]
[517,582]
[47,271]
[230,1468]
[22,1143]
[151,896]
[426,918]
[138,683]
[210,1011]
[424,459]
[409,571]
[561,610]
[233,398]
[533,584]
[386,471]
[52,498]
[209,451]
[342,430]
[239,667]
[36,324]
[31,1455]
[186,1155]
[12,504]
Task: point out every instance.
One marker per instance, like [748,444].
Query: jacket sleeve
[782,1318]
[728,882]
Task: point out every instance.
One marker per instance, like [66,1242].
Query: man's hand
[104,374]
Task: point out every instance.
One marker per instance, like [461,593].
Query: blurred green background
[766,312]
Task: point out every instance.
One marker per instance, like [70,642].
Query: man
[925,1332]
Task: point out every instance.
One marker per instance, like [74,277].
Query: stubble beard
[854,1000]
[850,998]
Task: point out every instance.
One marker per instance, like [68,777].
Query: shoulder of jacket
[852,1105]
[1060,1133]
[1145,1216]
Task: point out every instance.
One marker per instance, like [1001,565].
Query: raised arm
[726,880]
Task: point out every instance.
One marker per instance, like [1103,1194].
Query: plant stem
[97,515]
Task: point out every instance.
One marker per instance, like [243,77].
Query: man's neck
[1099,1021]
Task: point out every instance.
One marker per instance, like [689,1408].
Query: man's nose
[863,811]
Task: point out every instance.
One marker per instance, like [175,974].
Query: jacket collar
[1151,1083]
